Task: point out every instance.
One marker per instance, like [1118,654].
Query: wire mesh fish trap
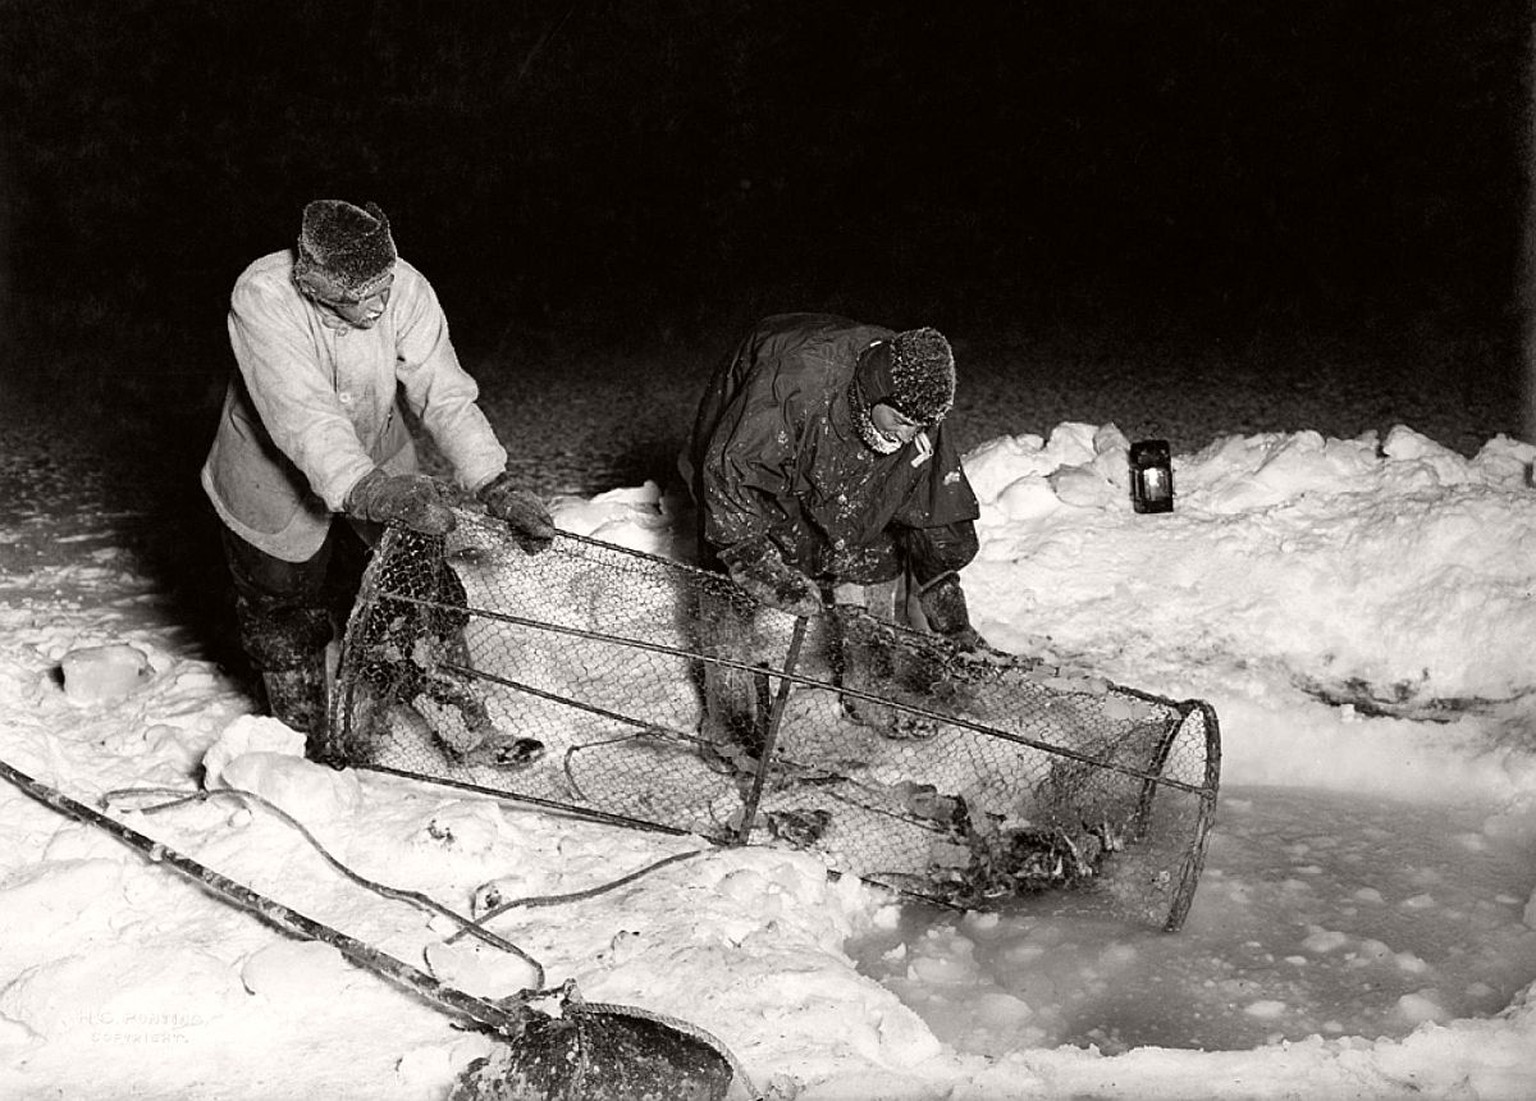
[575,679]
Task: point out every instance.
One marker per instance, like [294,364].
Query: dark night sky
[637,167]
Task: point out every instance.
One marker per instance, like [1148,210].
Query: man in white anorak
[334,341]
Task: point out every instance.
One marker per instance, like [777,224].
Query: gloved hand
[943,604]
[412,501]
[525,514]
[757,566]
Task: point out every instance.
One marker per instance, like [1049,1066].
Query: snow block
[96,674]
[249,734]
[263,756]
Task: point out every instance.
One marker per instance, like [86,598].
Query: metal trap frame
[572,679]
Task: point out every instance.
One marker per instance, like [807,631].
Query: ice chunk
[1266,1009]
[479,969]
[264,756]
[1083,487]
[94,674]
[307,792]
[1001,1011]
[1324,940]
[249,734]
[939,970]
[1028,498]
[1375,951]
[1424,1005]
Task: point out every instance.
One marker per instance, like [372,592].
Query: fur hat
[913,373]
[350,246]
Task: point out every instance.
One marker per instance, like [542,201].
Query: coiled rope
[178,797]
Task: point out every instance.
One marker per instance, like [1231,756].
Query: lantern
[1151,476]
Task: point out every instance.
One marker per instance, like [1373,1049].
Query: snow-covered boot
[732,724]
[461,720]
[297,697]
[462,724]
[868,658]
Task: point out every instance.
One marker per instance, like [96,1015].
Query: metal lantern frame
[1151,465]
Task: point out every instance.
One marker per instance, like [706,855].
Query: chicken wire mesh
[576,678]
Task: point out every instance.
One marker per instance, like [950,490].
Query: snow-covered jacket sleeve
[439,391]
[749,471]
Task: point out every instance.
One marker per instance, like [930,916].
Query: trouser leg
[733,716]
[298,697]
[861,648]
[283,610]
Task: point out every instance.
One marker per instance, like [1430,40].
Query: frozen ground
[1357,610]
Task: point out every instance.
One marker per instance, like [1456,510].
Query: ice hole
[1319,913]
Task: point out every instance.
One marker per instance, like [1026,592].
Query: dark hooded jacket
[775,451]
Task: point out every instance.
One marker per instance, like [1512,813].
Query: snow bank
[1358,611]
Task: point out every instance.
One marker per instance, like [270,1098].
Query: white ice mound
[263,756]
[636,517]
[96,674]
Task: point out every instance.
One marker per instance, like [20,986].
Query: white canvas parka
[316,404]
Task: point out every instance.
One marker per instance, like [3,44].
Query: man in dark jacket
[820,466]
[333,341]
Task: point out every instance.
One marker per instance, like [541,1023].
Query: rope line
[397,894]
[575,896]
[177,797]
